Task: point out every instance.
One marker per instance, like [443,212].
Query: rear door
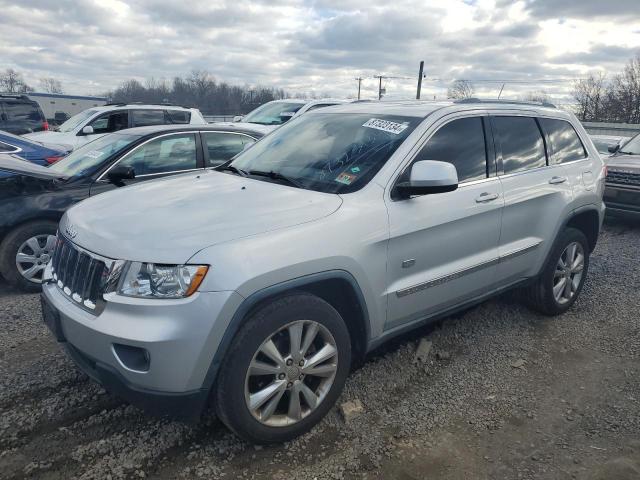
[443,248]
[219,147]
[536,193]
[141,118]
[158,157]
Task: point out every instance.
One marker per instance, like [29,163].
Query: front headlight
[155,280]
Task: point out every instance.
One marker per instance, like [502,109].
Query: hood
[56,140]
[264,129]
[623,162]
[169,220]
[17,165]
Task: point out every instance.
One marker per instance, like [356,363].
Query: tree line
[199,89]
[615,98]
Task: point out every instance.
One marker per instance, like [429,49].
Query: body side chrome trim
[465,271]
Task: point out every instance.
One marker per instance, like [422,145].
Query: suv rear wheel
[561,281]
[25,252]
[284,370]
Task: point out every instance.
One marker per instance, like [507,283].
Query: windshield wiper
[626,153]
[232,169]
[276,176]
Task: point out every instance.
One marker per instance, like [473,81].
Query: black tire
[539,295]
[229,395]
[9,248]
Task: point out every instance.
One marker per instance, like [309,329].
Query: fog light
[132,358]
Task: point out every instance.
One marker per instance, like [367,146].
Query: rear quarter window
[564,142]
[178,116]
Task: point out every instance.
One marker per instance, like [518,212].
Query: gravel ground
[503,394]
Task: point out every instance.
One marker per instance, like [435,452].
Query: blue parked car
[36,152]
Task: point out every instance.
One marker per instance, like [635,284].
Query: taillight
[45,125]
[52,160]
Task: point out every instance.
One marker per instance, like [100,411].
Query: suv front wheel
[561,281]
[284,370]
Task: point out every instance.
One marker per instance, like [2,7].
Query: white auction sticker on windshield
[386,125]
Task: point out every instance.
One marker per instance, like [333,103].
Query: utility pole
[359,79]
[420,80]
[386,77]
[379,77]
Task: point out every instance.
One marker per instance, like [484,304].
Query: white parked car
[95,122]
[273,114]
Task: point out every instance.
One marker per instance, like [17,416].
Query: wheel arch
[587,220]
[337,287]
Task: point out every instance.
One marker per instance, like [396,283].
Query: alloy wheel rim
[33,256]
[291,373]
[568,273]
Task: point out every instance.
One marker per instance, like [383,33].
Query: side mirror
[427,177]
[286,116]
[614,148]
[119,173]
[238,118]
[87,130]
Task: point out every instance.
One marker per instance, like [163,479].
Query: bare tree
[461,89]
[536,96]
[590,94]
[51,85]
[12,82]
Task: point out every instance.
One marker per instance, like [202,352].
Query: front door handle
[555,180]
[486,197]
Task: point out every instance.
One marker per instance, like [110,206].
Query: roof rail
[505,101]
[15,95]
[124,104]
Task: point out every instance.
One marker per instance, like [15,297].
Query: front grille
[623,178]
[79,274]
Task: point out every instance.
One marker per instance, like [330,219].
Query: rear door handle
[486,197]
[555,180]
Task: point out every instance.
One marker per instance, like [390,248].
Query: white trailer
[57,107]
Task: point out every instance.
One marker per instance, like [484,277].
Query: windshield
[271,113]
[76,120]
[85,159]
[632,146]
[327,152]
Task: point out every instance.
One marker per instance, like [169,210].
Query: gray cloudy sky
[319,45]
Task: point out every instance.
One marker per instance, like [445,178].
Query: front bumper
[180,338]
[622,201]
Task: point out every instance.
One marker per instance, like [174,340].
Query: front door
[443,248]
[161,156]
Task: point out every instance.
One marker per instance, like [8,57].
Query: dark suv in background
[20,115]
[622,192]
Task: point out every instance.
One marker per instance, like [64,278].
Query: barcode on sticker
[386,125]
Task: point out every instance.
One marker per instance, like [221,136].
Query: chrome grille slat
[81,275]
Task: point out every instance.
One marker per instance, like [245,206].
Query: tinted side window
[224,146]
[178,116]
[148,117]
[522,143]
[162,155]
[460,142]
[6,148]
[23,116]
[565,143]
[111,122]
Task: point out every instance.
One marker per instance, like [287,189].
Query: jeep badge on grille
[71,231]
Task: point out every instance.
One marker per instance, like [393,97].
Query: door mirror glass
[119,173]
[87,130]
[428,177]
[613,148]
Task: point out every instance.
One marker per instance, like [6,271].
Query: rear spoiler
[15,164]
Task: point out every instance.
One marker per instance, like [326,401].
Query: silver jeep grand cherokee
[255,287]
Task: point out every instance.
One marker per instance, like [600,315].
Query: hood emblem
[71,231]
